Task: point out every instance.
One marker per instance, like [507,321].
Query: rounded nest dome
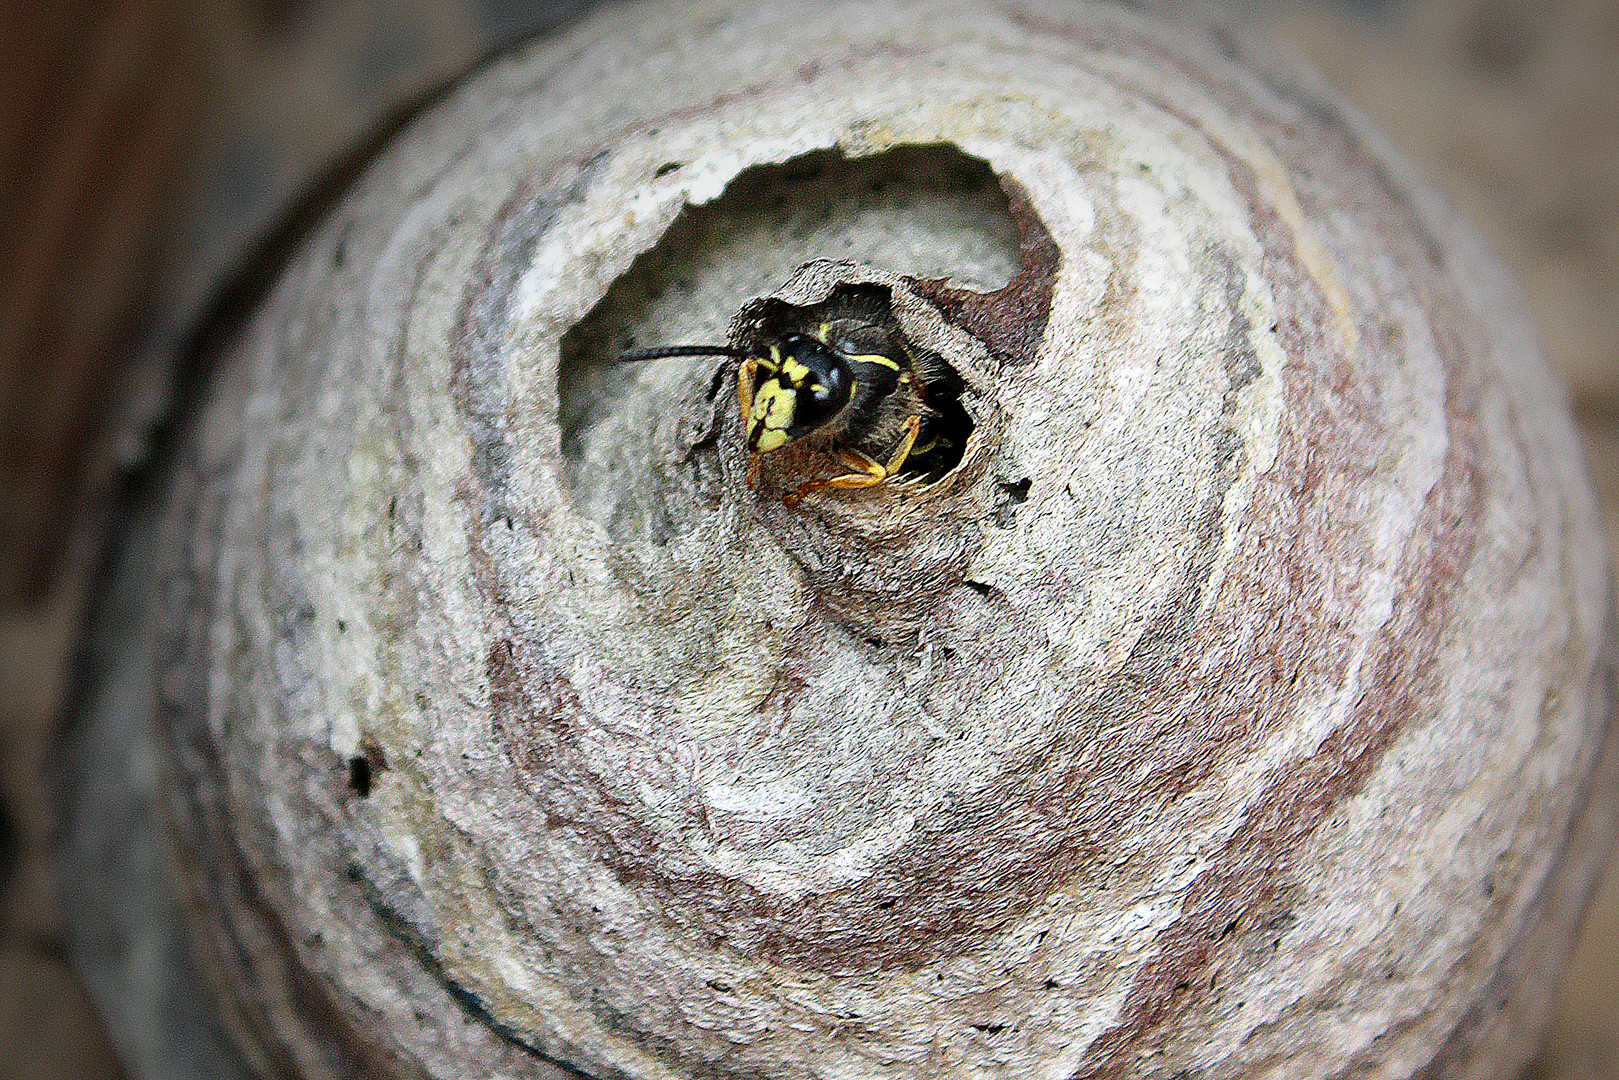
[1233,700]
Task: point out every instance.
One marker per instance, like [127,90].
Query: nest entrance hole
[639,439]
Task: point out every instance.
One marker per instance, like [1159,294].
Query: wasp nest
[1229,700]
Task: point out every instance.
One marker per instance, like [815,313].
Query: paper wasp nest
[1235,705]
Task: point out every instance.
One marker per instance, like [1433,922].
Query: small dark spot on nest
[360,776]
[364,766]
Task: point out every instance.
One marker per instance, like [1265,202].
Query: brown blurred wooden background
[95,100]
[145,144]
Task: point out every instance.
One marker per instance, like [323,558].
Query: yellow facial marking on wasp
[779,407]
[795,371]
[772,415]
[822,331]
[770,440]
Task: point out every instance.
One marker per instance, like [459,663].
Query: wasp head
[798,388]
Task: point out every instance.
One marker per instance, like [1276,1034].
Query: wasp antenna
[633,355]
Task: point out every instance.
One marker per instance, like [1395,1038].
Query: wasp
[841,373]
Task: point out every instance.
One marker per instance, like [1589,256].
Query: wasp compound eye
[823,388]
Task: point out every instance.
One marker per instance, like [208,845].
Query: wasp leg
[745,372]
[867,473]
[903,450]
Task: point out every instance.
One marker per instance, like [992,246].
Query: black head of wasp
[843,373]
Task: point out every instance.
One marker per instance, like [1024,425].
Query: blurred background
[152,149]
